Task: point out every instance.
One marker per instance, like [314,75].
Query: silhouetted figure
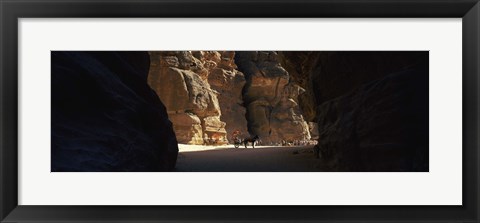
[316,151]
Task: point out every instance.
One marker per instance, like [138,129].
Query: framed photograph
[267,111]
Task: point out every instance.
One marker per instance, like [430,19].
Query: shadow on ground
[260,159]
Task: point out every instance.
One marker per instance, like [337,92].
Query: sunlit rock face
[271,98]
[371,107]
[181,80]
[228,82]
[105,117]
[313,128]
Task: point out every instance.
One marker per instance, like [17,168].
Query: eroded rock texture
[228,82]
[105,117]
[271,98]
[182,81]
[371,107]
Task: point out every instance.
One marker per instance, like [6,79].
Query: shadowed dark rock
[371,107]
[381,126]
[105,117]
[326,75]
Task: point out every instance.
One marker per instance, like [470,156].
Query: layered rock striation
[195,87]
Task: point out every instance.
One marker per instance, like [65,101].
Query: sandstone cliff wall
[201,91]
[271,98]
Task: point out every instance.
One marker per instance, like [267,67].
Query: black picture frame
[12,10]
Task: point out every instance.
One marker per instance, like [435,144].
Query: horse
[252,140]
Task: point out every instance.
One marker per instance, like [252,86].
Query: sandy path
[260,159]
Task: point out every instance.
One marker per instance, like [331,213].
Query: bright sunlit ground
[196,158]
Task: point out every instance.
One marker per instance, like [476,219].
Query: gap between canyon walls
[208,96]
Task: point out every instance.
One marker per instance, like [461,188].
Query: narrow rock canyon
[128,111]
